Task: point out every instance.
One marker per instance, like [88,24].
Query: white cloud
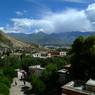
[66,21]
[78,1]
[18,13]
[70,20]
[2,28]
[90,11]
[30,25]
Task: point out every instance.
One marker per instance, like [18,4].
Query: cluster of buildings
[76,87]
[49,54]
[79,88]
[71,88]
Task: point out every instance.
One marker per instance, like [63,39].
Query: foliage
[49,76]
[83,58]
[4,90]
[8,64]
[38,85]
[5,81]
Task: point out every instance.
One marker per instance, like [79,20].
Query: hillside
[7,41]
[65,38]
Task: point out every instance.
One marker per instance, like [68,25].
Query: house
[56,54]
[36,69]
[63,74]
[49,54]
[36,55]
[62,53]
[67,66]
[79,88]
[90,85]
[40,55]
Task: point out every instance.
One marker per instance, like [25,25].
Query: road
[20,88]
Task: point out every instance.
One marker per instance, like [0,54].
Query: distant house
[36,69]
[40,55]
[56,54]
[79,88]
[36,55]
[62,53]
[49,54]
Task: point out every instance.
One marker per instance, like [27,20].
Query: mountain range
[65,38]
[10,42]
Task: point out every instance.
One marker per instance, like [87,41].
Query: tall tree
[83,58]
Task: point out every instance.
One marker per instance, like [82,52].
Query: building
[40,55]
[90,85]
[63,76]
[56,54]
[49,54]
[62,53]
[36,69]
[36,55]
[79,88]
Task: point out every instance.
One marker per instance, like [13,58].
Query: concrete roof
[62,71]
[90,82]
[36,67]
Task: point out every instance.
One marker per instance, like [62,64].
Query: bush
[4,90]
[5,81]
[38,85]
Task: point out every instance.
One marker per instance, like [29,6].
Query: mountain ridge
[65,38]
[7,41]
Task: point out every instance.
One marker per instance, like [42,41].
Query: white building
[40,55]
[36,55]
[90,85]
[62,53]
[79,88]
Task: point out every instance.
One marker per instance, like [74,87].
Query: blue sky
[29,16]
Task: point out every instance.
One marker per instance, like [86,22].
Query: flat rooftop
[76,90]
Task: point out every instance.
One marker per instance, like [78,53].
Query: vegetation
[83,58]
[39,86]
[10,62]
[7,72]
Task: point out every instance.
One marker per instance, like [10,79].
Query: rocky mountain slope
[8,41]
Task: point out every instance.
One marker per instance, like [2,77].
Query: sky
[48,16]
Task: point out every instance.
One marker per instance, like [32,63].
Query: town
[47,47]
[48,72]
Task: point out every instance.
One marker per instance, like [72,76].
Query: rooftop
[90,82]
[62,71]
[36,67]
[79,89]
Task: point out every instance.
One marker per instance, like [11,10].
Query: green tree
[49,75]
[4,90]
[83,58]
[38,85]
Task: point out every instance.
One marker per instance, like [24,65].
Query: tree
[38,85]
[49,76]
[83,58]
[4,90]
